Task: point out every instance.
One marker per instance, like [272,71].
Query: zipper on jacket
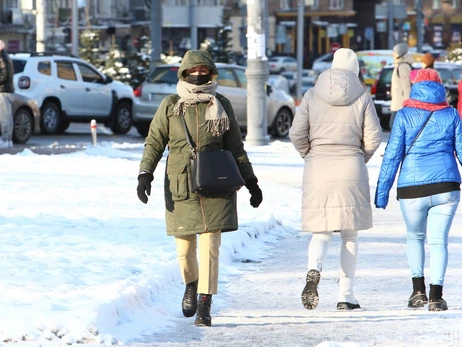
[206,229]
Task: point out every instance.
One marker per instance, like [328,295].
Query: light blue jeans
[429,217]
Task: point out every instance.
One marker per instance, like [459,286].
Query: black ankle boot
[418,297]
[437,303]
[203,310]
[189,304]
[310,296]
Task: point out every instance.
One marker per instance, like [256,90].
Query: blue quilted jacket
[432,158]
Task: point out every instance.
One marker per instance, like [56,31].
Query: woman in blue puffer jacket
[428,183]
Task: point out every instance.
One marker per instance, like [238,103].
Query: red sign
[334,46]
[13,46]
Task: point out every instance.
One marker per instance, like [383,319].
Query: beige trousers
[209,251]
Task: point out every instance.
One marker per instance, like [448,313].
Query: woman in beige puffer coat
[336,131]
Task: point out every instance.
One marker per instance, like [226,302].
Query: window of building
[336,4]
[66,71]
[44,67]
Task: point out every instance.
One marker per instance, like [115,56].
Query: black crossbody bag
[213,173]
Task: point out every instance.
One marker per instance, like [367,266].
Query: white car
[280,64]
[323,63]
[69,90]
[232,83]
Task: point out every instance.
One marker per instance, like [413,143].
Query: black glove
[144,186]
[256,194]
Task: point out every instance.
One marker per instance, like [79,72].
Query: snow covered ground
[83,261]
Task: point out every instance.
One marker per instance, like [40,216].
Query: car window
[19,65]
[226,78]
[44,67]
[288,60]
[66,71]
[241,77]
[385,76]
[445,74]
[164,75]
[89,75]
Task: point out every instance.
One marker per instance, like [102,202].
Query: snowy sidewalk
[262,306]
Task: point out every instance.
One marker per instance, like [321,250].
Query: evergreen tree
[455,52]
[220,49]
[114,67]
[89,47]
[139,61]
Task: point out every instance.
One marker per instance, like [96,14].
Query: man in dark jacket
[6,98]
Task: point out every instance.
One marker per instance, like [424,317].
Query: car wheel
[143,129]
[123,119]
[51,118]
[23,125]
[282,70]
[282,123]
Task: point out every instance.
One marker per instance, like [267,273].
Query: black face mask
[198,79]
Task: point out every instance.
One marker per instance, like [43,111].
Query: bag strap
[191,148]
[404,62]
[418,134]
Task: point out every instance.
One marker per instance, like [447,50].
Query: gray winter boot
[310,297]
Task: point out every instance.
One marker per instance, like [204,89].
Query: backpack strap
[404,62]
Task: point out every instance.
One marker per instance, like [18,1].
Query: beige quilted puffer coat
[336,131]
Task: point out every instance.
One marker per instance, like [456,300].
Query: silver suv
[232,83]
[69,89]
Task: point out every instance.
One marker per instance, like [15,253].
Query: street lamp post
[257,75]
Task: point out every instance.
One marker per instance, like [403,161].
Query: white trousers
[317,251]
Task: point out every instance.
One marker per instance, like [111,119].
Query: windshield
[164,74]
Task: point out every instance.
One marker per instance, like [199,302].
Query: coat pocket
[178,177]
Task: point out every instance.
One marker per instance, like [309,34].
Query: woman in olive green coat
[211,123]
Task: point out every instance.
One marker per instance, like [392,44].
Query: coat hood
[338,87]
[427,95]
[194,58]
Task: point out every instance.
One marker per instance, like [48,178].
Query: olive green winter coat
[186,212]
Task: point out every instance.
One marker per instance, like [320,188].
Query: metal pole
[75,28]
[93,131]
[40,26]
[391,21]
[419,23]
[257,75]
[193,23]
[300,38]
[156,33]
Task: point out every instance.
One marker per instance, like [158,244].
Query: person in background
[426,141]
[336,131]
[6,98]
[400,79]
[195,220]
[428,60]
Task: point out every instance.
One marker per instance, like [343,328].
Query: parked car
[450,74]
[26,118]
[69,89]
[280,64]
[323,63]
[232,84]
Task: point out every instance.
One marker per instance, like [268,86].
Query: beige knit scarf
[216,119]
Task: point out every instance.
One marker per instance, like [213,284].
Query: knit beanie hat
[427,75]
[428,59]
[401,49]
[345,58]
